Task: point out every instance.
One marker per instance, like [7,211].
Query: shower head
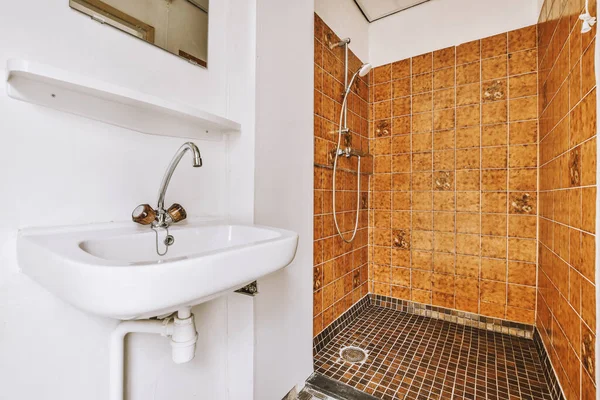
[365,69]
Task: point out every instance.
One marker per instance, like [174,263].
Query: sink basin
[113,270]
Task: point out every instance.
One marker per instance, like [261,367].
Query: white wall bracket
[588,20]
[180,328]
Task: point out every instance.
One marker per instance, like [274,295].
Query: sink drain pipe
[180,328]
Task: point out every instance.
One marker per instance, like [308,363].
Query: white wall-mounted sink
[113,270]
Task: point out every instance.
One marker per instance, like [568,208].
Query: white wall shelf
[80,95]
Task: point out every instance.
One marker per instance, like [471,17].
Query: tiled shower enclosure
[473,271]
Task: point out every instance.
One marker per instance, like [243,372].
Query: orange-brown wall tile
[453,217]
[567,195]
[340,269]
[483,192]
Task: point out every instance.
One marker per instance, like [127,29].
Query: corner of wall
[283,191]
[347,20]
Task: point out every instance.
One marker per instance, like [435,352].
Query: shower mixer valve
[344,152]
[349,152]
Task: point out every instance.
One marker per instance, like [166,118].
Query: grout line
[538,183]
[480,264]
[432,199]
[454,177]
[565,154]
[508,180]
[410,187]
[562,294]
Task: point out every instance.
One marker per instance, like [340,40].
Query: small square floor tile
[416,357]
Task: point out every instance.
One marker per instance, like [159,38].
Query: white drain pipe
[180,328]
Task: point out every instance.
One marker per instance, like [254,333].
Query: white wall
[346,20]
[284,191]
[56,168]
[443,23]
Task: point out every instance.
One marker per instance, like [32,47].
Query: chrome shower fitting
[364,70]
[344,43]
[341,43]
[348,151]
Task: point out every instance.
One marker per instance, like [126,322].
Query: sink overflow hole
[169,240]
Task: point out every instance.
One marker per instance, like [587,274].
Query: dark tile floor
[414,357]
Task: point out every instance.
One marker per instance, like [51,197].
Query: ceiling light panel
[377,9]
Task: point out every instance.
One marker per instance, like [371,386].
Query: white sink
[113,270]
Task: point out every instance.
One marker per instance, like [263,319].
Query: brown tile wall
[453,214]
[340,269]
[567,194]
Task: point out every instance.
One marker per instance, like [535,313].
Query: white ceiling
[377,9]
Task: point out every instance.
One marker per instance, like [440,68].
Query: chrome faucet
[144,214]
[164,217]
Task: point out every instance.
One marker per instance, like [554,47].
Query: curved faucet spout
[196,162]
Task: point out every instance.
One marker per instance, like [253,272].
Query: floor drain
[353,354]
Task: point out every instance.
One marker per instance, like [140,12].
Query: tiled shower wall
[340,269]
[454,192]
[566,304]
[453,195]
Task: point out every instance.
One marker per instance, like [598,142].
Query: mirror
[178,26]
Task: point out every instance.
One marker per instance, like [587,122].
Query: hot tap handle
[143,214]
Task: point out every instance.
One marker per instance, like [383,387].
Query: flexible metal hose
[335,161]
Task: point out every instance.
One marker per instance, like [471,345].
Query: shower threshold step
[335,390]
